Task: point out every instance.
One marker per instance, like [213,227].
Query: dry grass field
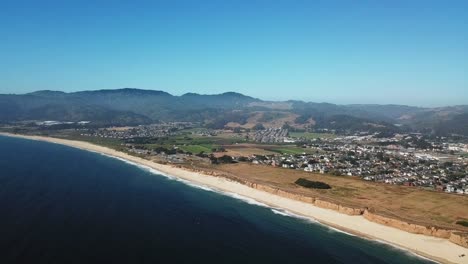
[411,204]
[276,122]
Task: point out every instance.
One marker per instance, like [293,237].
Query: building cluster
[270,135]
[56,123]
[458,147]
[205,132]
[160,156]
[143,131]
[410,160]
[427,169]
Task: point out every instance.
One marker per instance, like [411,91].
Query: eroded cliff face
[457,237]
[280,192]
[408,227]
[340,208]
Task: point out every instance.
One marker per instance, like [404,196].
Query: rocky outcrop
[408,227]
[459,238]
[337,207]
[279,192]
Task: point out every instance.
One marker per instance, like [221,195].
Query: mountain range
[130,106]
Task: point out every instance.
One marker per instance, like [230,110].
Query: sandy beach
[438,249]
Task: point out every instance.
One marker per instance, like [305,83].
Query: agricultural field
[246,150]
[197,148]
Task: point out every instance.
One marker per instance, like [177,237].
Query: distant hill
[456,125]
[137,106]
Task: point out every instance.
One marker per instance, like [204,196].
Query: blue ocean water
[63,205]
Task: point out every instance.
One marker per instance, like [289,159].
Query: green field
[195,149]
[309,135]
[221,139]
[189,142]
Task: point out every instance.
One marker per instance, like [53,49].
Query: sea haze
[63,205]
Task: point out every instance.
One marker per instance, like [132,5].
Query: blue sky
[403,52]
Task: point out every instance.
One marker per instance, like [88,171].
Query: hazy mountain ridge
[131,106]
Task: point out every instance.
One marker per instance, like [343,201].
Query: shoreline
[437,249]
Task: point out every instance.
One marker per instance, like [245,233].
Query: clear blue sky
[404,52]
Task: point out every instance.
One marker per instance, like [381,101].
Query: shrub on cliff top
[463,223]
[312,184]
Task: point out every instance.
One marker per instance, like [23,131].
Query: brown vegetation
[411,205]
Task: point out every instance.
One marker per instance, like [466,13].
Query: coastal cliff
[459,238]
[454,236]
[408,227]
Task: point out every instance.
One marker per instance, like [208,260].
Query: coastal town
[270,135]
[380,164]
[411,159]
[143,131]
[402,159]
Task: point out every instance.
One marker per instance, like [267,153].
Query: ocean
[64,205]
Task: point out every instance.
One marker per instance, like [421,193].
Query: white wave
[194,185]
[122,159]
[332,229]
[279,212]
[308,219]
[245,199]
[160,173]
[293,215]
